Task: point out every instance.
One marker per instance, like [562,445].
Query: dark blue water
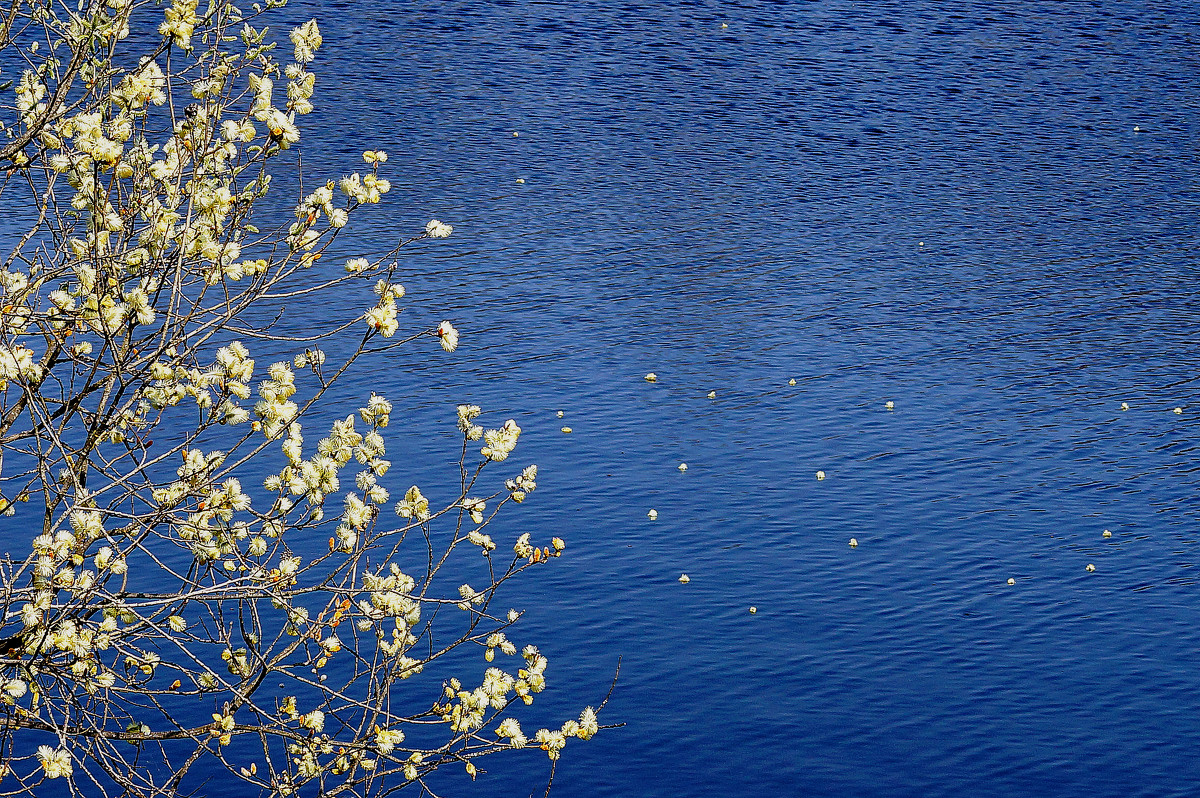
[942,205]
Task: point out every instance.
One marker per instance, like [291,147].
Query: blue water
[947,209]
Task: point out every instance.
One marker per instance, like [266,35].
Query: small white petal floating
[560,414]
[753,610]
[792,381]
[651,377]
[820,475]
[1107,534]
[889,404]
[1178,411]
[515,134]
[652,515]
[1090,568]
[853,543]
[684,578]
[1012,581]
[520,180]
[712,394]
[1124,405]
[683,466]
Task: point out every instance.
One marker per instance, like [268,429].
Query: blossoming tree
[161,618]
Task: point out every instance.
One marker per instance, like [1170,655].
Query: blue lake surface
[945,207]
[982,212]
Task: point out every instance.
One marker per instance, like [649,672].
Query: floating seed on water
[820,475]
[684,578]
[683,466]
[1090,567]
[652,515]
[651,377]
[567,430]
[1012,581]
[853,543]
[1107,534]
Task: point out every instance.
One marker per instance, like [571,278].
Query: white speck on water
[753,610]
[1137,129]
[567,430]
[651,377]
[1107,534]
[1124,405]
[1012,581]
[889,404]
[652,515]
[820,475]
[1090,568]
[560,414]
[853,543]
[684,578]
[792,381]
[712,394]
[683,466]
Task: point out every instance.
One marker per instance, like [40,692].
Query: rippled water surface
[985,213]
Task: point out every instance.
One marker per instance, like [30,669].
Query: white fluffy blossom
[314,720]
[510,728]
[306,38]
[469,596]
[377,411]
[500,442]
[14,689]
[552,742]
[382,317]
[448,336]
[414,505]
[56,763]
[588,725]
[386,740]
[466,415]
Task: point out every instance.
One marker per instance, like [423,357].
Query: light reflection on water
[884,202]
